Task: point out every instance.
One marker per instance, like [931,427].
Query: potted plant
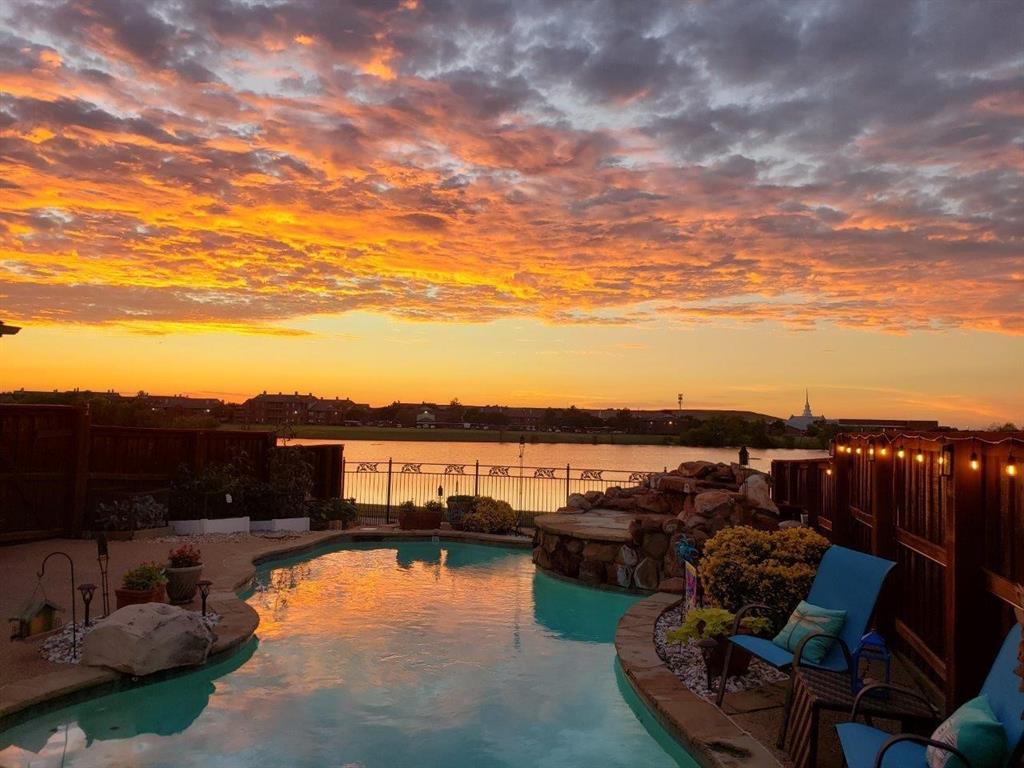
[411,518]
[184,567]
[142,584]
[710,627]
[458,508]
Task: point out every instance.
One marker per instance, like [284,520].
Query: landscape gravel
[687,662]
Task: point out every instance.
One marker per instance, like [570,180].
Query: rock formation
[142,639]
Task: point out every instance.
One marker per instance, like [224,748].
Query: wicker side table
[816,690]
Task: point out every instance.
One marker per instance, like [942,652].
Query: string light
[901,453]
[858,450]
[919,457]
[883,451]
[974,461]
[1011,465]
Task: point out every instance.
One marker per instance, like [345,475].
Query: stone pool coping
[71,683]
[707,733]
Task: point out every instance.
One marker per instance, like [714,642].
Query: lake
[631,458]
[541,482]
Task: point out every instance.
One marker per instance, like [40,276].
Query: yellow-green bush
[490,516]
[743,565]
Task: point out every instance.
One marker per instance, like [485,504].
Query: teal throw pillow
[974,730]
[808,619]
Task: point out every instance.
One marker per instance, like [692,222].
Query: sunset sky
[519,202]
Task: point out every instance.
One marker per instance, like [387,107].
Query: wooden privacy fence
[948,508]
[55,465]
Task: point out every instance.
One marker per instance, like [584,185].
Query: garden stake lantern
[103,559]
[204,591]
[87,591]
[74,619]
[871,648]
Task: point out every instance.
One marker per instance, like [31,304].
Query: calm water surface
[647,458]
[405,654]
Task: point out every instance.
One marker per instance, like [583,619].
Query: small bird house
[37,615]
[870,651]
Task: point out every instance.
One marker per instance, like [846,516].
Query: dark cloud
[255,160]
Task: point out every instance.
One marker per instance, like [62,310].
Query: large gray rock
[143,639]
[756,490]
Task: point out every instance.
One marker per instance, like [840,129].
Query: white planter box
[208,525]
[281,524]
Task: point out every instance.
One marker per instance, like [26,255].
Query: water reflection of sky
[416,653]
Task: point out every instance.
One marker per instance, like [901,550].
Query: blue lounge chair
[846,580]
[867,747]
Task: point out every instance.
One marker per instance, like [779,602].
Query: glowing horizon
[520,203]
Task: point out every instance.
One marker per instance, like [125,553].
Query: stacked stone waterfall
[694,501]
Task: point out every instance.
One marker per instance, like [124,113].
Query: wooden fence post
[79,471]
[883,536]
[971,631]
[842,468]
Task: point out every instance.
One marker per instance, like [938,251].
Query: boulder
[757,493]
[550,541]
[627,555]
[143,639]
[593,496]
[669,527]
[790,524]
[620,575]
[712,503]
[542,558]
[592,572]
[647,574]
[595,550]
[655,545]
[697,468]
[578,501]
[674,484]
[575,546]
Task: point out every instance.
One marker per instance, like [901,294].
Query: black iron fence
[379,487]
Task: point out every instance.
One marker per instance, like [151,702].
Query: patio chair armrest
[891,742]
[799,652]
[867,689]
[743,612]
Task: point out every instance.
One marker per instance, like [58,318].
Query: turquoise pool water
[384,655]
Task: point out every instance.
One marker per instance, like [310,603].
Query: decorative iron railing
[380,486]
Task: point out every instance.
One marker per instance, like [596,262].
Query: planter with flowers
[142,584]
[184,567]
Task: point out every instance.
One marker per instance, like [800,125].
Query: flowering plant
[185,556]
[144,577]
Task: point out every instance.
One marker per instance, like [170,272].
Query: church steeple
[807,403]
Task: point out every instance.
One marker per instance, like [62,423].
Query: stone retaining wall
[689,505]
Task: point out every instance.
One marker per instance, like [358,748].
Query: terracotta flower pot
[182,583]
[139,596]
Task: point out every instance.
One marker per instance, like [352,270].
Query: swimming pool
[379,655]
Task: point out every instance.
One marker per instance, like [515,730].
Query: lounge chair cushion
[805,620]
[974,730]
[861,744]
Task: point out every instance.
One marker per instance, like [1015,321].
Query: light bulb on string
[1011,465]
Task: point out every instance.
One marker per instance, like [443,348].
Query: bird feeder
[36,616]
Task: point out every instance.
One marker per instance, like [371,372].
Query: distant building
[279,409]
[327,411]
[805,419]
[425,419]
[182,405]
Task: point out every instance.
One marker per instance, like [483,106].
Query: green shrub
[132,514]
[433,506]
[144,577]
[490,516]
[408,506]
[322,510]
[743,565]
[713,622]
